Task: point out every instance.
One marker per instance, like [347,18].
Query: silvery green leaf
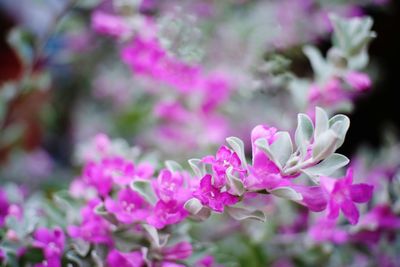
[81,247]
[318,63]
[263,145]
[101,210]
[243,214]
[145,189]
[287,193]
[237,145]
[325,145]
[193,206]
[173,166]
[157,240]
[304,132]
[340,125]
[197,210]
[197,167]
[235,184]
[321,122]
[328,165]
[352,36]
[282,148]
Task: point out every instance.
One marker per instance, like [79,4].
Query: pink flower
[358,80]
[93,228]
[224,159]
[4,207]
[129,206]
[326,230]
[125,259]
[166,213]
[102,175]
[171,185]
[212,196]
[52,244]
[179,251]
[342,195]
[109,24]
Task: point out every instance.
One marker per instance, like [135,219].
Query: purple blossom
[4,207]
[129,206]
[125,259]
[358,80]
[326,230]
[224,159]
[166,213]
[212,196]
[342,195]
[52,244]
[93,228]
[109,24]
[102,175]
[179,251]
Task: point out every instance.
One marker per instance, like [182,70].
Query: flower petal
[361,193]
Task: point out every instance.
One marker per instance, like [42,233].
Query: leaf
[145,189]
[157,240]
[197,167]
[329,165]
[263,145]
[197,210]
[193,206]
[237,145]
[282,148]
[340,125]
[101,210]
[304,132]
[318,63]
[235,184]
[321,122]
[325,145]
[287,193]
[173,166]
[243,214]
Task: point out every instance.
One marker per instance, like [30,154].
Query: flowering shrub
[237,156]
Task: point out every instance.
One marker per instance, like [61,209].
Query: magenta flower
[179,251]
[166,213]
[104,174]
[326,230]
[224,159]
[212,196]
[125,259]
[358,80]
[109,24]
[342,195]
[129,206]
[52,243]
[93,228]
[4,207]
[171,186]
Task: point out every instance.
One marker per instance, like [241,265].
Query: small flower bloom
[129,206]
[109,24]
[212,196]
[93,228]
[342,195]
[166,213]
[4,207]
[224,159]
[358,80]
[180,251]
[326,230]
[125,259]
[52,244]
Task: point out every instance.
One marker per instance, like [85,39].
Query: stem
[299,166]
